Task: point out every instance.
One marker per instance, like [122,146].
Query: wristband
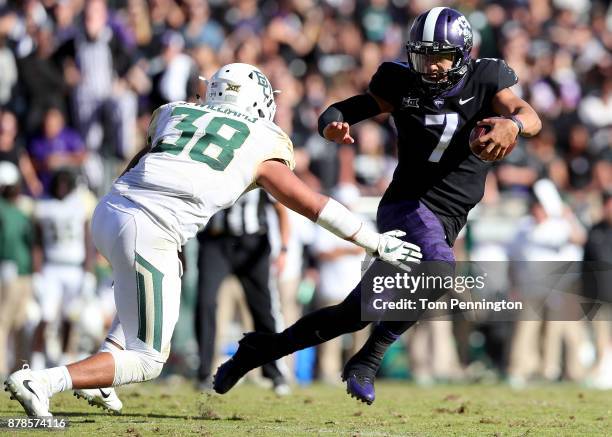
[518,123]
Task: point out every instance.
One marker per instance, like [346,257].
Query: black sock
[324,324]
[383,336]
[385,333]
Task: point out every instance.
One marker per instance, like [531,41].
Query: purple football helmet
[440,32]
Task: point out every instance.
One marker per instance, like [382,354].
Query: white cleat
[105,398]
[26,389]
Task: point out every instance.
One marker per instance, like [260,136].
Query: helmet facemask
[423,54]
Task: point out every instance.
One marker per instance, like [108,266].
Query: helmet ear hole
[261,113]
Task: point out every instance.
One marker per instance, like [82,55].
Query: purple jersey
[436,165]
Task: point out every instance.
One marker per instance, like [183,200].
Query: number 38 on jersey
[205,136]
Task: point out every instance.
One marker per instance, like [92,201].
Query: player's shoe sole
[24,388]
[105,399]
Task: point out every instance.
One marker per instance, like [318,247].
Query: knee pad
[136,366]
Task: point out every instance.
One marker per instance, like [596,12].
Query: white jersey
[62,223]
[202,158]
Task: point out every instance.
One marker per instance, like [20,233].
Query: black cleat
[359,380]
[255,349]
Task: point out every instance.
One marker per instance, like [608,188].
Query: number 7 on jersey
[450,122]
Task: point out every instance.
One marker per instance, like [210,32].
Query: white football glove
[388,247]
[397,252]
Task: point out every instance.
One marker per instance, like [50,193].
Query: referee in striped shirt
[236,242]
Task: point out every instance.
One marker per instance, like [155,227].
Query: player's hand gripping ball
[478,144]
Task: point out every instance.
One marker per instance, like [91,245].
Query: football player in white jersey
[199,159]
[63,238]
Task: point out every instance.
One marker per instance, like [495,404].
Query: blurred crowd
[80,78]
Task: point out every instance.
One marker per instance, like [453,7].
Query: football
[479,131]
[476,133]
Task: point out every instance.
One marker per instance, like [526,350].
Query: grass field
[175,408]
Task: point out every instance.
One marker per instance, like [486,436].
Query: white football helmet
[244,86]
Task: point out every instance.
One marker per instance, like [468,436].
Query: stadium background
[316,53]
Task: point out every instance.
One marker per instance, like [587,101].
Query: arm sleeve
[387,83]
[352,110]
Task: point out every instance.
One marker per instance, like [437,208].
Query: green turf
[401,409]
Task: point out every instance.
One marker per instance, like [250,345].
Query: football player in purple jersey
[435,98]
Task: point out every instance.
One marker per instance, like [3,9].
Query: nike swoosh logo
[391,249]
[104,395]
[26,384]
[463,102]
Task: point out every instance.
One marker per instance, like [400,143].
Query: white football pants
[147,286]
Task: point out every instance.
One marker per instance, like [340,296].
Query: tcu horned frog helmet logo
[462,27]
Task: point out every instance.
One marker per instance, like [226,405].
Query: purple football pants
[422,228]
